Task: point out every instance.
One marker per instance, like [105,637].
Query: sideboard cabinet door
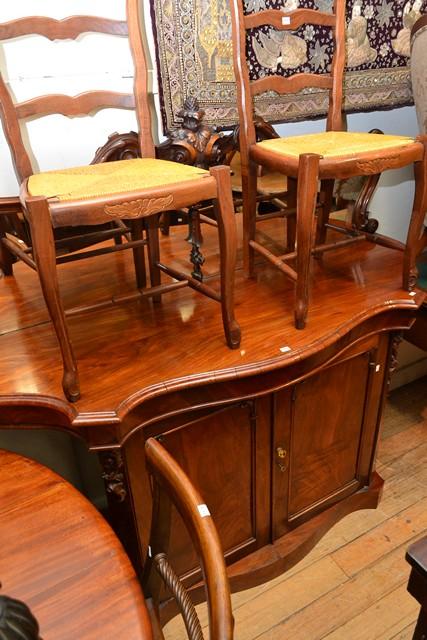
[325,434]
[227,457]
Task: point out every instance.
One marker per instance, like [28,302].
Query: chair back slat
[82,104]
[12,112]
[12,131]
[68,28]
[290,20]
[292,84]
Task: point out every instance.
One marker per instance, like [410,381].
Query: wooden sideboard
[279,436]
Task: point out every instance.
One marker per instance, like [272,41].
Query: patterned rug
[194,57]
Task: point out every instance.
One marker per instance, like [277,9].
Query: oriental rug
[194,57]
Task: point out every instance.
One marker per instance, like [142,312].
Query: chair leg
[45,258]
[137,229]
[415,229]
[291,225]
[227,248]
[249,194]
[165,223]
[6,259]
[308,174]
[156,627]
[154,253]
[326,194]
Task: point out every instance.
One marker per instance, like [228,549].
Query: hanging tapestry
[194,56]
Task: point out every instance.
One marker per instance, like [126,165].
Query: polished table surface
[60,557]
[130,353]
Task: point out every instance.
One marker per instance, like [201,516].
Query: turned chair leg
[249,197]
[415,230]
[154,253]
[326,194]
[308,174]
[45,258]
[137,229]
[224,210]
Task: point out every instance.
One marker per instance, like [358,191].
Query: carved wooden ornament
[139,208]
[377,165]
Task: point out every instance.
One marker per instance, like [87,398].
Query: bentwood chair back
[307,159]
[171,486]
[134,191]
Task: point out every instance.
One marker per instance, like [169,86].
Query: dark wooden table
[62,559]
[417,584]
[278,436]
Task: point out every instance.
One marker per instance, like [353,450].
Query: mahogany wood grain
[63,560]
[369,288]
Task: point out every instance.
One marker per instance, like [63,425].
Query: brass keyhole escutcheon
[281,454]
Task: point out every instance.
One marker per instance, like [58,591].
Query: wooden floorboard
[352,586]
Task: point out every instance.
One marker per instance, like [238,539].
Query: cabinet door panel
[219,454]
[327,423]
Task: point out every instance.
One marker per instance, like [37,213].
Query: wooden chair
[136,191]
[304,160]
[418,332]
[416,556]
[419,81]
[171,485]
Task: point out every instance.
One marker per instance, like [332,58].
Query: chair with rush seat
[305,160]
[135,191]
